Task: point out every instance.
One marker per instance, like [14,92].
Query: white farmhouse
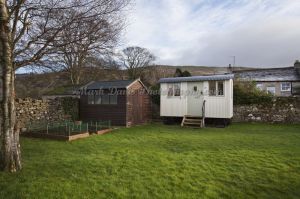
[196,98]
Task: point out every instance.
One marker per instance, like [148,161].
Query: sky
[260,33]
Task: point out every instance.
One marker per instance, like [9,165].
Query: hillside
[35,85]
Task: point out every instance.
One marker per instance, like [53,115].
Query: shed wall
[115,113]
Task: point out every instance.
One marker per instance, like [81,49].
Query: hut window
[212,88]
[170,90]
[220,88]
[91,99]
[176,89]
[216,88]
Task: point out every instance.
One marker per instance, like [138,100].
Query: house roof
[269,74]
[108,84]
[197,78]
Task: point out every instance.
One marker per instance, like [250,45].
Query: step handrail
[203,113]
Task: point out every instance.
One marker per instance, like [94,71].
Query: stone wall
[281,110]
[32,110]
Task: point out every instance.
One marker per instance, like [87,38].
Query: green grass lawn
[157,161]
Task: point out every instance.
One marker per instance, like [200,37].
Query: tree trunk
[9,136]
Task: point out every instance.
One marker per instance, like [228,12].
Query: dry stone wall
[34,110]
[281,110]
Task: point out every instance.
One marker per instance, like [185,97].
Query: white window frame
[172,86]
[270,90]
[179,86]
[217,86]
[216,92]
[170,90]
[289,88]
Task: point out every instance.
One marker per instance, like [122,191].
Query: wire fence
[95,126]
[67,128]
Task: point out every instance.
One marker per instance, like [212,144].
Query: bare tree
[37,26]
[95,37]
[135,59]
[32,30]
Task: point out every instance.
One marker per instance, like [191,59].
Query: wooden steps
[192,121]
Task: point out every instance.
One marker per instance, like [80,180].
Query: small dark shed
[123,102]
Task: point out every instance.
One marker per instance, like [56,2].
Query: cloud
[208,32]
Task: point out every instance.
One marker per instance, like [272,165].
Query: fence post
[47,128]
[96,126]
[69,129]
[87,127]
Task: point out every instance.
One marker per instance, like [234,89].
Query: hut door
[195,98]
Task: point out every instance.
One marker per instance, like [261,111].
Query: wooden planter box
[56,137]
[78,136]
[101,132]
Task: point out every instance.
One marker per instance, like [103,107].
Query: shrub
[71,107]
[247,93]
[155,95]
[180,73]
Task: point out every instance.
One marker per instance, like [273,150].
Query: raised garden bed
[66,131]
[99,128]
[101,132]
[55,136]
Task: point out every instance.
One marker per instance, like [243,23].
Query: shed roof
[269,74]
[197,78]
[108,84]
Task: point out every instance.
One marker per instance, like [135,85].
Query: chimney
[230,68]
[297,66]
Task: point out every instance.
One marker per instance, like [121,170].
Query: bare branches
[135,59]
[91,36]
[38,26]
